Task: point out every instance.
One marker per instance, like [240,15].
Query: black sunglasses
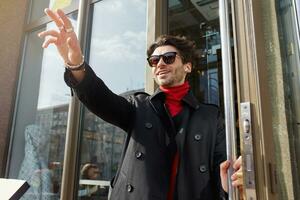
[168,58]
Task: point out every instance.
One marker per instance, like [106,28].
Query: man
[175,144]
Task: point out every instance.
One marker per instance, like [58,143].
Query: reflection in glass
[38,6]
[290,51]
[118,56]
[199,21]
[40,120]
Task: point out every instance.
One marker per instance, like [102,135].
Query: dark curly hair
[185,47]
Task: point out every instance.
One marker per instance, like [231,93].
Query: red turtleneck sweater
[174,105]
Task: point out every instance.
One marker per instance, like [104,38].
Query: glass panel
[118,56]
[289,46]
[199,21]
[38,6]
[40,120]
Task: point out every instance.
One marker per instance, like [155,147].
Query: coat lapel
[157,103]
[181,135]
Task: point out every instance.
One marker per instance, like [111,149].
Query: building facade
[65,152]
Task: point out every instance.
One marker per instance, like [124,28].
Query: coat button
[139,155]
[202,168]
[148,125]
[181,131]
[198,137]
[129,188]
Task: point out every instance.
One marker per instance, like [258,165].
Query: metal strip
[228,90]
[297,21]
[248,161]
[72,133]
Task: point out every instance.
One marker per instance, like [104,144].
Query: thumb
[223,174]
[75,55]
[71,43]
[224,167]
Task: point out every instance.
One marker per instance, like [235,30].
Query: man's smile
[162,72]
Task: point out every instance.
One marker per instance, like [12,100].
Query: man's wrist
[77,67]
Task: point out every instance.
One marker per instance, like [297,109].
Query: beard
[170,81]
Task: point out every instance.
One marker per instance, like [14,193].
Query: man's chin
[163,82]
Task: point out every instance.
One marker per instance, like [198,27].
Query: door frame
[253,87]
[251,79]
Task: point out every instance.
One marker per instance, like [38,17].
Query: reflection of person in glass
[175,144]
[89,172]
[34,167]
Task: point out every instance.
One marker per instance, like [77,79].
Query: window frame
[69,177]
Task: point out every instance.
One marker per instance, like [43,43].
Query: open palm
[64,38]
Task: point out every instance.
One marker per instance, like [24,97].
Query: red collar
[174,96]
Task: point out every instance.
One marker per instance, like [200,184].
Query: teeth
[160,73]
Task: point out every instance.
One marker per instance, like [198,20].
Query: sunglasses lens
[153,60]
[169,58]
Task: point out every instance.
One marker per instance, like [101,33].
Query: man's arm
[100,100]
[89,88]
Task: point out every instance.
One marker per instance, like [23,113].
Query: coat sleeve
[100,100]
[220,143]
[220,154]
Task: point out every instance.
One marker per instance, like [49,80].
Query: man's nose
[161,62]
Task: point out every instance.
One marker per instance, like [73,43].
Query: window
[289,45]
[39,134]
[37,7]
[118,56]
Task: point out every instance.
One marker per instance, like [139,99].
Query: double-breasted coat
[144,170]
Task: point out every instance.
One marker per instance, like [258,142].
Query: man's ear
[188,67]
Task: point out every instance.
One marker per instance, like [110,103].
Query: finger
[74,45]
[237,183]
[237,164]
[75,51]
[67,23]
[71,44]
[48,33]
[237,175]
[54,17]
[50,40]
[224,166]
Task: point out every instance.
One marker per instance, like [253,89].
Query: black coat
[144,170]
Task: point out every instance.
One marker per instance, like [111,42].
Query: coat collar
[189,98]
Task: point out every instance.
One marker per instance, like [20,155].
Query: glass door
[117,54]
[289,29]
[199,20]
[40,121]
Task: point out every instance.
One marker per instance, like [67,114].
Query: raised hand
[65,38]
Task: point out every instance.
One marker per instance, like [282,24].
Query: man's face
[169,75]
[93,172]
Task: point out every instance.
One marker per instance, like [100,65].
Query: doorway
[199,21]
